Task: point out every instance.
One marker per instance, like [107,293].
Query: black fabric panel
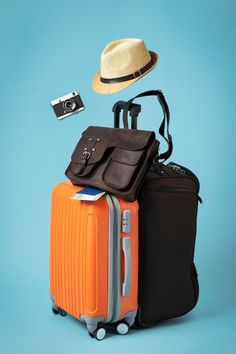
[168,285]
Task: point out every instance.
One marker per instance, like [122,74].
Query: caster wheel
[55,310]
[100,333]
[91,334]
[62,312]
[122,328]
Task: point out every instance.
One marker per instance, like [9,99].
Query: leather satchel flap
[95,142]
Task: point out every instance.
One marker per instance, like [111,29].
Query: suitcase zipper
[183,171]
[174,170]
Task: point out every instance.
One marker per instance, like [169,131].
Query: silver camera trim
[64,98]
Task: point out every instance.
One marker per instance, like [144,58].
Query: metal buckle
[137,73]
[87,153]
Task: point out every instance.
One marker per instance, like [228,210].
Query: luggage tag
[89,193]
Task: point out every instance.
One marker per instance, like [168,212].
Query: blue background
[49,48]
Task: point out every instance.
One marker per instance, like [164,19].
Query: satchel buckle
[87,154]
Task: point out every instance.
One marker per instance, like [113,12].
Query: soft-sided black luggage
[168,203]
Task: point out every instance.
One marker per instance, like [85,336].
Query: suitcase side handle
[127,266]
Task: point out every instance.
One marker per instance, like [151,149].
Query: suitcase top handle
[164,124]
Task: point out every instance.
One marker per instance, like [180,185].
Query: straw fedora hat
[123,62]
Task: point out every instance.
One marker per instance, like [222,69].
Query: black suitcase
[168,203]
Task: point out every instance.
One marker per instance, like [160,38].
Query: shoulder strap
[164,124]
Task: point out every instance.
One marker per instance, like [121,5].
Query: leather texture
[115,160]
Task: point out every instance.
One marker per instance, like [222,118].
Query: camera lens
[69,105]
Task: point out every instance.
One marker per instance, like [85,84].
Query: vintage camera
[67,105]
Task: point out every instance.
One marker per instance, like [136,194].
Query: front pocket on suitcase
[122,168]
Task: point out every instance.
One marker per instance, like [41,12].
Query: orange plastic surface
[79,237]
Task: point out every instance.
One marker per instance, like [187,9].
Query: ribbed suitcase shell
[79,257]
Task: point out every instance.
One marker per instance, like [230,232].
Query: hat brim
[106,89]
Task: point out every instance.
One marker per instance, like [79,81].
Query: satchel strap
[164,124]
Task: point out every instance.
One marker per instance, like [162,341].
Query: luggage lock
[126,221]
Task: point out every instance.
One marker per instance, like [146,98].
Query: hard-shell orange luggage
[94,260]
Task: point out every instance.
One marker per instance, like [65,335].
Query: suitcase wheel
[55,310]
[122,328]
[58,310]
[100,333]
[62,313]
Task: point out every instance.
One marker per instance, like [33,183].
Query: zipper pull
[177,168]
[199,199]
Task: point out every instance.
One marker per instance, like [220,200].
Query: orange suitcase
[94,260]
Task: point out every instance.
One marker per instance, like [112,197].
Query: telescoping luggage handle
[134,109]
[164,124]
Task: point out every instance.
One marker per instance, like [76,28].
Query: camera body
[67,105]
